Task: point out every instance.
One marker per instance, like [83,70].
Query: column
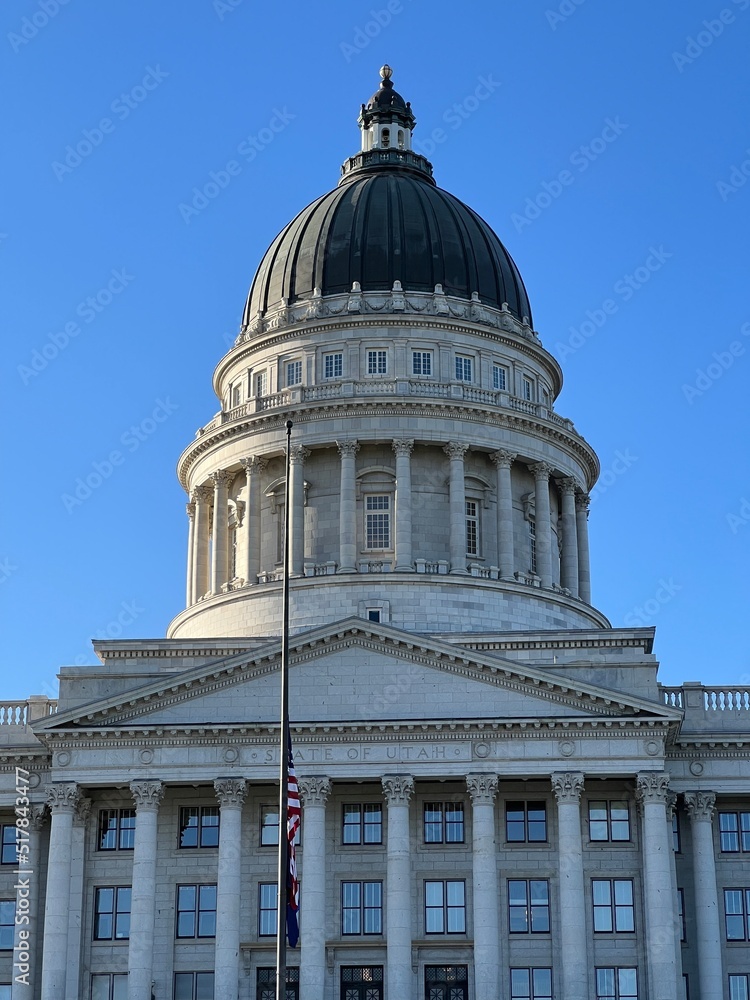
[77,896]
[456,454]
[541,472]
[253,466]
[569,564]
[505,554]
[398,790]
[24,948]
[222,481]
[63,800]
[148,796]
[671,809]
[567,787]
[700,807]
[348,506]
[403,450]
[483,789]
[190,509]
[582,527]
[231,795]
[202,499]
[314,792]
[652,791]
[297,456]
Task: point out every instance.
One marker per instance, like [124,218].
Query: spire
[386,121]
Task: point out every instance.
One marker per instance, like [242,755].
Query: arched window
[400,139]
[385,138]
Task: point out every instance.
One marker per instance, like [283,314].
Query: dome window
[385,138]
[401,139]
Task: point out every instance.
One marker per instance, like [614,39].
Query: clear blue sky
[608,142]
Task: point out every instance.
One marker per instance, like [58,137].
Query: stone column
[314,792]
[483,789]
[582,527]
[567,787]
[456,454]
[77,896]
[190,509]
[348,506]
[671,809]
[506,562]
[398,789]
[659,903]
[202,499]
[253,466]
[27,904]
[231,794]
[541,472]
[297,457]
[700,807]
[63,799]
[219,569]
[148,796]
[569,564]
[403,450]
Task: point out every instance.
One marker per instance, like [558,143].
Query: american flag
[293,817]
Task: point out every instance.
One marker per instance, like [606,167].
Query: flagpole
[281,890]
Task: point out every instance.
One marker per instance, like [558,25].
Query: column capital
[348,449]
[540,470]
[700,805]
[64,796]
[398,788]
[567,786]
[503,459]
[190,509]
[202,494]
[83,811]
[298,454]
[455,450]
[253,464]
[147,794]
[402,447]
[567,486]
[671,804]
[652,786]
[482,788]
[37,817]
[582,502]
[314,790]
[230,791]
[222,479]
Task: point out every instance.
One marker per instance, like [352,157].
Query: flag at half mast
[293,815]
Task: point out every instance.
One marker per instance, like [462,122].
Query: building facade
[500,801]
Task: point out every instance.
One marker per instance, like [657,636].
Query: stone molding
[37,817]
[314,790]
[503,459]
[298,454]
[567,786]
[540,471]
[222,479]
[253,464]
[398,788]
[652,786]
[82,813]
[700,805]
[671,805]
[347,448]
[567,486]
[190,509]
[582,502]
[203,494]
[147,794]
[63,797]
[402,448]
[482,788]
[230,791]
[455,450]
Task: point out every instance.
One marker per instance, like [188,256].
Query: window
[531,984]
[7,923]
[9,855]
[532,545]
[528,906]
[110,986]
[236,395]
[377,522]
[361,907]
[734,832]
[739,987]
[613,905]
[193,986]
[294,373]
[112,913]
[333,365]
[527,388]
[199,826]
[266,984]
[676,832]
[196,911]
[5,991]
[421,363]
[363,824]
[443,822]
[499,377]
[609,821]
[616,984]
[373,614]
[261,384]
[445,907]
[267,909]
[737,914]
[377,362]
[464,368]
[450,981]
[269,826]
[364,982]
[526,822]
[116,830]
[681,913]
[472,528]
[386,138]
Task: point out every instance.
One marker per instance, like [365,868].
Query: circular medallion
[481,750]
[230,755]
[34,781]
[696,767]
[652,748]
[146,756]
[566,747]
[62,758]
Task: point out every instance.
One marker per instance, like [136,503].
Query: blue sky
[607,144]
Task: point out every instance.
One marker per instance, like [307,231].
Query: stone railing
[672,696]
[709,709]
[17,714]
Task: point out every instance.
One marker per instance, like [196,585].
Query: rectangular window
[736,914]
[116,830]
[739,987]
[333,365]
[464,368]
[199,826]
[196,911]
[528,906]
[261,384]
[443,822]
[532,546]
[9,854]
[531,984]
[526,822]
[681,913]
[361,907]
[266,983]
[294,373]
[193,986]
[609,821]
[7,923]
[267,909]
[109,986]
[377,362]
[472,528]
[373,614]
[363,823]
[676,832]
[236,395]
[613,905]
[421,363]
[445,907]
[616,984]
[734,832]
[527,388]
[499,377]
[112,913]
[377,522]
[269,826]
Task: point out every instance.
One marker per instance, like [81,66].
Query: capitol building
[500,800]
